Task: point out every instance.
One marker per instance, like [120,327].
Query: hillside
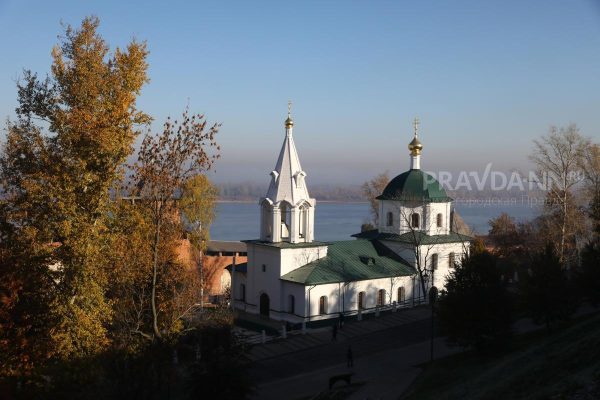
[562,365]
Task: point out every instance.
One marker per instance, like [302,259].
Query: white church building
[291,277]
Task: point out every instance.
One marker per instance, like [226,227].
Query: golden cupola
[415,147]
[289,122]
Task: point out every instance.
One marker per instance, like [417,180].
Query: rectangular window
[381,297]
[323,305]
[361,300]
[401,295]
[264,268]
[451,260]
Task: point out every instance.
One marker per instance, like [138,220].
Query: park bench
[342,377]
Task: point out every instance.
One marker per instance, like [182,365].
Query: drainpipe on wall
[339,298]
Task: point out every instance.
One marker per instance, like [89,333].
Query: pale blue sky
[485,77]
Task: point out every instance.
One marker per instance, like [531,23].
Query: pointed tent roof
[287,183]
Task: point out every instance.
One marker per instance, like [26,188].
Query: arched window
[381,297]
[323,305]
[243,292]
[361,301]
[415,220]
[292,304]
[266,220]
[401,295]
[434,261]
[390,219]
[303,220]
[286,216]
[451,260]
[440,220]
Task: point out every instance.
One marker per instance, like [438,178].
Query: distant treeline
[249,191]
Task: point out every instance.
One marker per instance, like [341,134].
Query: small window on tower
[390,219]
[264,268]
[439,220]
[415,220]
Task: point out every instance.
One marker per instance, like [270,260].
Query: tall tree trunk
[563,229]
[154,276]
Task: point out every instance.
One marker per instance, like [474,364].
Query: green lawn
[540,365]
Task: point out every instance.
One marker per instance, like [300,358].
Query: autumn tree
[198,206]
[558,157]
[373,188]
[504,234]
[588,273]
[165,163]
[129,265]
[590,165]
[65,151]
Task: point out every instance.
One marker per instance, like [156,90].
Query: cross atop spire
[289,123]
[416,126]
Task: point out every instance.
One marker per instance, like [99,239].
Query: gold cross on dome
[416,125]
[289,107]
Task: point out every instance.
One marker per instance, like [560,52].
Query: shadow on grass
[535,365]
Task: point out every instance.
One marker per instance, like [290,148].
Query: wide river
[337,221]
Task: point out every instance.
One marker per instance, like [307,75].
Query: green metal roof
[415,185]
[348,261]
[414,238]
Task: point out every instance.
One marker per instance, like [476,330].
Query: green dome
[415,185]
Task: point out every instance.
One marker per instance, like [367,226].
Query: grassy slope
[538,366]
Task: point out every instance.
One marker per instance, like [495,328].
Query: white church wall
[433,209]
[443,251]
[343,297]
[237,293]
[289,289]
[296,257]
[426,252]
[401,216]
[266,265]
[262,277]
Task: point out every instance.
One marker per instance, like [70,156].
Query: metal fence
[288,329]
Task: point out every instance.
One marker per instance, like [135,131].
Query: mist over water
[337,221]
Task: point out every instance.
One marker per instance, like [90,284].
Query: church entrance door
[264,305]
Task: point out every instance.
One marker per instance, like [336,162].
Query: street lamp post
[433,294]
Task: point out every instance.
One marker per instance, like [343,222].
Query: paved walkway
[387,358]
[386,373]
[296,341]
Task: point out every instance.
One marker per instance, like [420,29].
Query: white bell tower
[287,211]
